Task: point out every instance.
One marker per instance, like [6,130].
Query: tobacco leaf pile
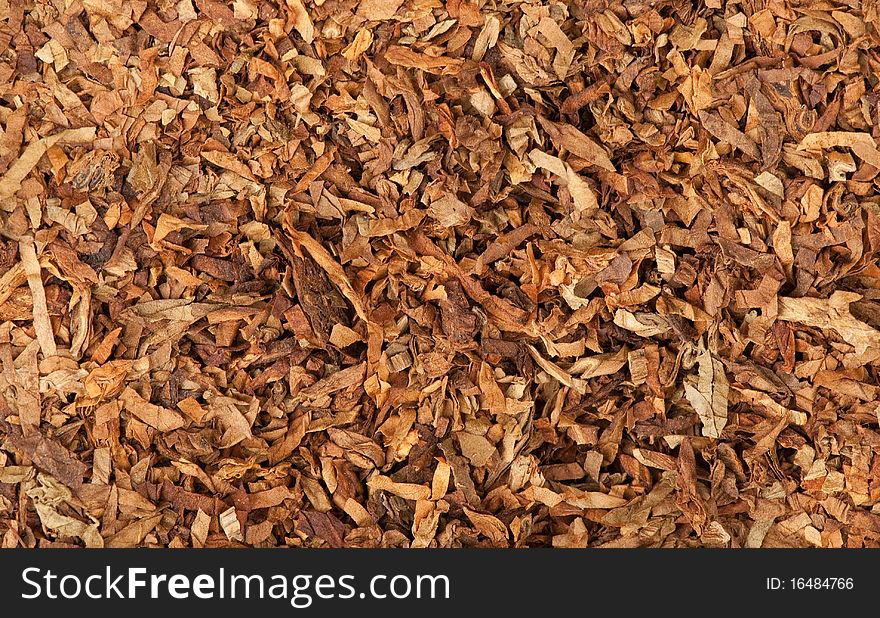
[427,273]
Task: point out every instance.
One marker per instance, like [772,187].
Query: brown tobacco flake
[729,134]
[47,455]
[161,418]
[406,57]
[862,144]
[41,321]
[834,314]
[458,322]
[490,526]
[708,394]
[319,298]
[572,139]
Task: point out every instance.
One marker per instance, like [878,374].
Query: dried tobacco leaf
[708,393]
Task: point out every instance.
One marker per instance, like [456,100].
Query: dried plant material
[477,449]
[771,183]
[599,364]
[11,180]
[378,10]
[333,383]
[573,140]
[440,481]
[594,500]
[134,533]
[161,418]
[862,144]
[708,393]
[357,512]
[230,524]
[334,270]
[200,528]
[34,273]
[409,491]
[834,313]
[68,526]
[11,280]
[644,324]
[557,372]
[581,193]
[342,336]
[727,133]
[301,20]
[437,65]
[490,526]
[361,43]
[47,455]
[236,423]
[228,162]
[556,39]
[383,273]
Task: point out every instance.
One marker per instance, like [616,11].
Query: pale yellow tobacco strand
[42,324]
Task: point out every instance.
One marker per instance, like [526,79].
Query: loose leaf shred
[361,273]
